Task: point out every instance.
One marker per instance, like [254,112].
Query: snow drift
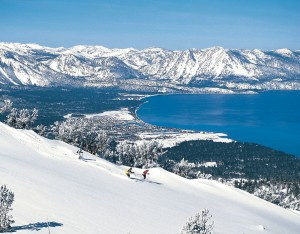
[94,196]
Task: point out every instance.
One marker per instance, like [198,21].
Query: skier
[145,173]
[80,153]
[128,172]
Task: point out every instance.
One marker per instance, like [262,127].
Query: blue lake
[269,118]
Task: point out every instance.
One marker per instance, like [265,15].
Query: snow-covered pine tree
[6,200]
[151,151]
[11,118]
[199,224]
[33,117]
[143,154]
[103,142]
[41,130]
[21,118]
[5,106]
[84,134]
[125,151]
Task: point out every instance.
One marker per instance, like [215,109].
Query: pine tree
[6,200]
[11,118]
[144,154]
[199,224]
[41,130]
[21,118]
[5,106]
[33,117]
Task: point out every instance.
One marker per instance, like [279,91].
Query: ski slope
[95,197]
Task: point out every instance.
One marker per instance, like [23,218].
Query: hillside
[152,69]
[94,196]
[269,174]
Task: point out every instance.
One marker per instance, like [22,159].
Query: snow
[209,164]
[284,51]
[122,114]
[67,116]
[174,138]
[169,71]
[94,196]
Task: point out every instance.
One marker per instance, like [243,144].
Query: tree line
[262,171]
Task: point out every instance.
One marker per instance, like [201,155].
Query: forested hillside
[270,174]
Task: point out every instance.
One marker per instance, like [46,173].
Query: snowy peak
[27,64]
[88,51]
[94,52]
[19,46]
[216,49]
[285,52]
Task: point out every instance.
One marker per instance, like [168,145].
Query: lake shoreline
[148,99]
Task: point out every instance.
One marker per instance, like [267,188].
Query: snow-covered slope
[94,196]
[31,64]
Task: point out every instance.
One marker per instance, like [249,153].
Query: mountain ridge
[217,67]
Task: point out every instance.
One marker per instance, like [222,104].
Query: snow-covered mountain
[31,64]
[94,196]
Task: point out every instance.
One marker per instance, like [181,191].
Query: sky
[170,24]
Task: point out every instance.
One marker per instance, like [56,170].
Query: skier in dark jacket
[80,153]
[145,173]
[128,172]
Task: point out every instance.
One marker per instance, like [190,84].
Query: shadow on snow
[142,180]
[35,226]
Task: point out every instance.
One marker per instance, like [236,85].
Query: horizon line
[145,48]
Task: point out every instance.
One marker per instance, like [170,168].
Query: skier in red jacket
[145,173]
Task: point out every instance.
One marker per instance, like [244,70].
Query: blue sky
[171,24]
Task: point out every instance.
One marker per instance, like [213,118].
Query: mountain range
[149,69]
